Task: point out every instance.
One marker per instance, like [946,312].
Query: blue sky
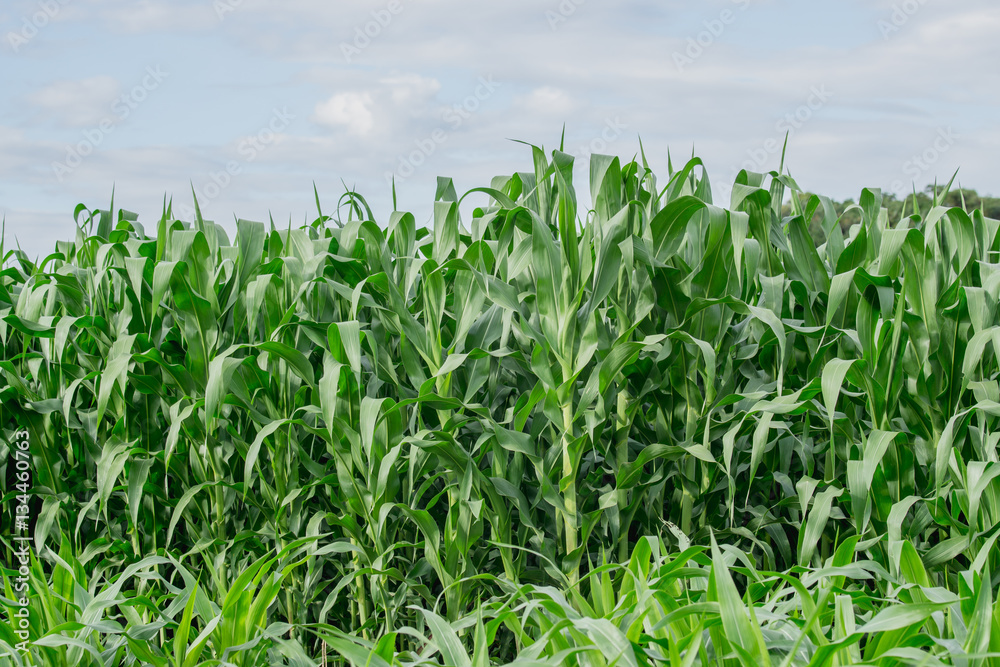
[251,101]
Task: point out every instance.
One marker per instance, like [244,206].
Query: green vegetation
[849,214]
[656,432]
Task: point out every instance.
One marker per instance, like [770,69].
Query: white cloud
[977,29]
[145,16]
[391,105]
[351,110]
[21,155]
[548,101]
[411,88]
[77,103]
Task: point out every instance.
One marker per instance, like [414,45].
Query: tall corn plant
[431,428]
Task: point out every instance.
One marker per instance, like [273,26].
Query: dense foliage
[657,431]
[898,207]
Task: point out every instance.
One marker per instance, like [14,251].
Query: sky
[250,102]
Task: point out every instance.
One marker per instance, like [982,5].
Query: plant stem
[621,456]
[569,496]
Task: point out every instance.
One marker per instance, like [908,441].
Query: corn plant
[661,430]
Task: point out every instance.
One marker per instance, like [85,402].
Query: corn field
[659,431]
